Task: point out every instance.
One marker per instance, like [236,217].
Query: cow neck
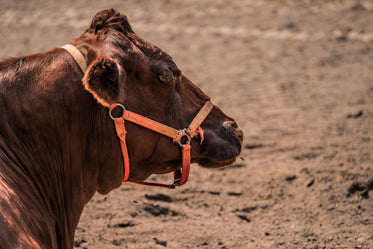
[181,137]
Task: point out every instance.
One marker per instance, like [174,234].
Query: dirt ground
[297,77]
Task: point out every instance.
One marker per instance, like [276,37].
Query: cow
[59,146]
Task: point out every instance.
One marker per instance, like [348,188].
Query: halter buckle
[184,139]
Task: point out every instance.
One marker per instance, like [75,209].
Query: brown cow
[58,144]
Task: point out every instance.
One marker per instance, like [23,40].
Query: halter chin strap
[181,137]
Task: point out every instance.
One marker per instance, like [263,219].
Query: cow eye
[166,76]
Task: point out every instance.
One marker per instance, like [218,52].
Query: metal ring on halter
[185,137]
[116,105]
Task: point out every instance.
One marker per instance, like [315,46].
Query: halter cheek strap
[181,137]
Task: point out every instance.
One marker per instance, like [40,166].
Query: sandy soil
[296,75]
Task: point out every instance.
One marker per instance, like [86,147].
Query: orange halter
[181,137]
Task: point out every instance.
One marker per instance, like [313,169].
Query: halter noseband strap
[181,137]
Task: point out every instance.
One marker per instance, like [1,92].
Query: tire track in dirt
[75,19]
[244,32]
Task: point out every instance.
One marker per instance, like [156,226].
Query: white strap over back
[78,57]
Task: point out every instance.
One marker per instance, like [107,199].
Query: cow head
[123,68]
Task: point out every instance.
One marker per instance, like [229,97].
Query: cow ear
[102,79]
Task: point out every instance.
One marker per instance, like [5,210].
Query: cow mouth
[216,151]
[206,163]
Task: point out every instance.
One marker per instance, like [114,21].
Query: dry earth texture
[296,75]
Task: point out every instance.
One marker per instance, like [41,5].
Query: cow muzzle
[231,127]
[221,146]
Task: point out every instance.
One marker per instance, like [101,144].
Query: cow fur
[58,145]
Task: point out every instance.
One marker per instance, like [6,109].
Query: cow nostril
[232,126]
[229,124]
